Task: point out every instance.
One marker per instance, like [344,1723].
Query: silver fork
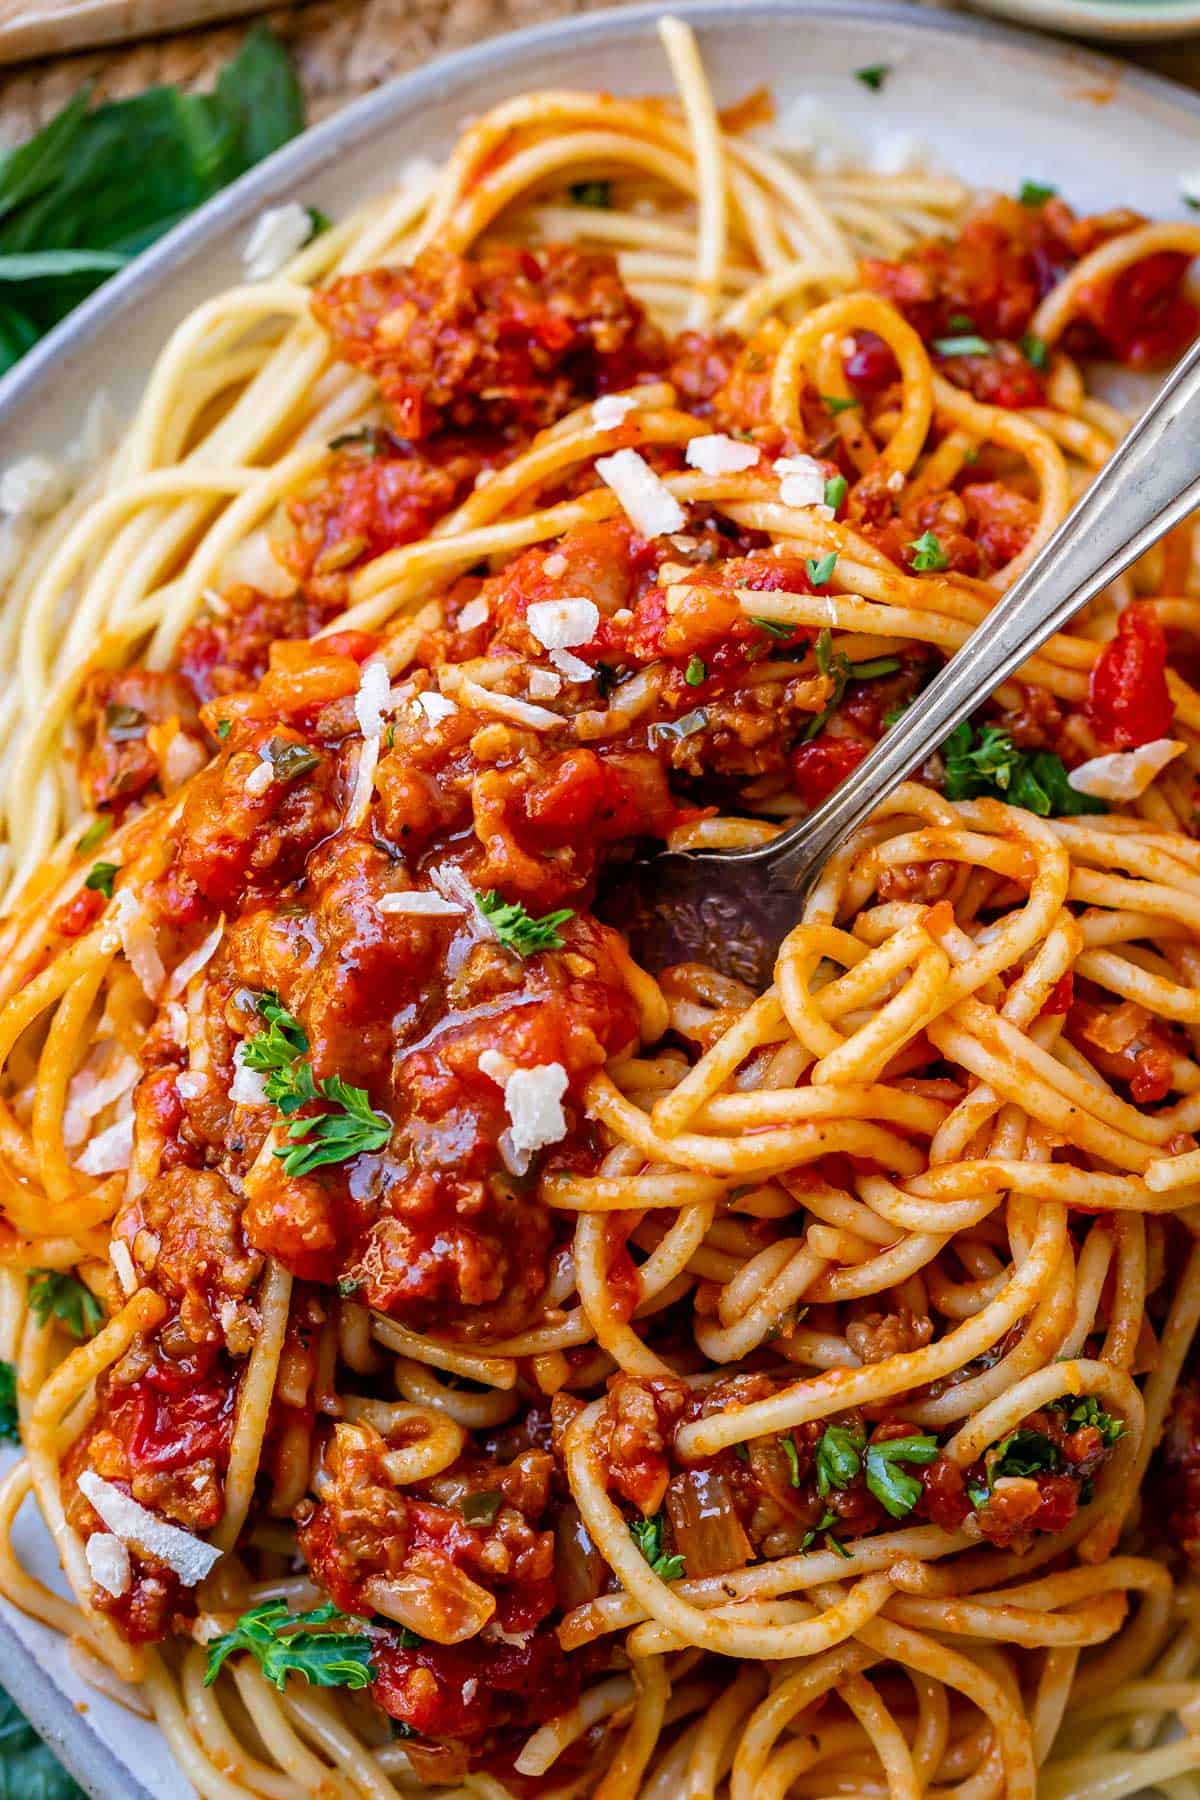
[732,909]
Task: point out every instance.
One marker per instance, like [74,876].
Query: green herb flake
[100,878]
[367,438]
[1088,1411]
[647,1534]
[1035,350]
[968,345]
[776,628]
[671,730]
[224,727]
[793,1456]
[1035,193]
[839,1458]
[835,491]
[836,1545]
[9,1428]
[278,1054]
[591,193]
[873,75]
[896,1491]
[820,568]
[839,403]
[289,759]
[696,674]
[123,723]
[318,222]
[985,762]
[350,1128]
[283,1644]
[928,555]
[95,834]
[518,930]
[55,1295]
[1022,1454]
[481,1509]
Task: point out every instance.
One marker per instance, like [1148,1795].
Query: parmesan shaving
[561,624]
[612,410]
[801,482]
[190,1084]
[436,707]
[200,957]
[139,941]
[122,1262]
[544,684]
[278,234]
[364,781]
[190,1557]
[419,900]
[110,1152]
[91,1090]
[1124,774]
[507,706]
[249,1086]
[108,1563]
[372,697]
[533,1101]
[646,500]
[473,614]
[721,455]
[573,667]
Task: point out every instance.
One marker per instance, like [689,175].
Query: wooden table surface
[345,47]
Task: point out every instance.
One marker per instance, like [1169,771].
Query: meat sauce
[434,1229]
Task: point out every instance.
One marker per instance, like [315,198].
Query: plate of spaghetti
[442,1355]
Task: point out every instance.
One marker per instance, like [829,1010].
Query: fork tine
[674,908]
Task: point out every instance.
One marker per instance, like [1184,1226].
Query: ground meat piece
[925,882]
[510,339]
[633,1434]
[221,653]
[880,1335]
[118,714]
[185,1229]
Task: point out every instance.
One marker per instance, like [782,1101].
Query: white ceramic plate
[1129,21]
[992,104]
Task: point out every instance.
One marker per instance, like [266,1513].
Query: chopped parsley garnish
[970,344]
[53,1294]
[95,834]
[518,930]
[695,674]
[776,628]
[836,1544]
[319,222]
[1022,1453]
[835,491]
[838,670]
[685,727]
[960,322]
[1035,193]
[591,193]
[123,722]
[895,1491]
[928,554]
[282,1645]
[350,1129]
[1088,1411]
[873,75]
[987,762]
[100,878]
[289,759]
[828,1518]
[8,1404]
[819,569]
[481,1509]
[367,438]
[1035,350]
[838,403]
[839,1458]
[278,1053]
[224,727]
[647,1534]
[793,1456]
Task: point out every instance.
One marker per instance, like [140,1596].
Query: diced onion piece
[109,1152]
[200,957]
[108,1562]
[1124,774]
[190,1557]
[718,454]
[190,1084]
[708,1532]
[579,1569]
[559,624]
[373,688]
[646,500]
[432,1597]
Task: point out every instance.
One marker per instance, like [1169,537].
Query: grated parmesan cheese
[108,1563]
[899,153]
[560,624]
[473,614]
[278,234]
[419,900]
[139,941]
[573,667]
[190,1557]
[646,500]
[612,410]
[721,455]
[122,1262]
[507,706]
[109,1152]
[200,957]
[372,696]
[95,1086]
[249,1086]
[364,781]
[452,884]
[801,482]
[1124,774]
[33,488]
[555,565]
[544,684]
[533,1101]
[260,777]
[436,707]
[190,1084]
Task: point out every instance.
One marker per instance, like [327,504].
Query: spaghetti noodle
[446,1353]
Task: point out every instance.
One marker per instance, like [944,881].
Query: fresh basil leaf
[48,265]
[29,1769]
[896,1491]
[282,1645]
[18,334]
[261,96]
[839,1458]
[987,762]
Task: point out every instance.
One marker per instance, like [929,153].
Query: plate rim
[68,1732]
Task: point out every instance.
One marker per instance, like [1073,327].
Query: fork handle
[1150,484]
